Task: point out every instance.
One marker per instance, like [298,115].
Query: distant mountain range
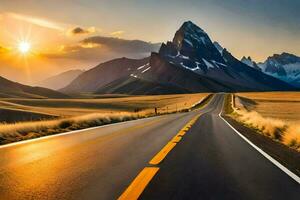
[283,66]
[60,80]
[10,89]
[189,63]
[250,62]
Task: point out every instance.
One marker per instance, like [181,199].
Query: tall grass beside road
[286,132]
[28,130]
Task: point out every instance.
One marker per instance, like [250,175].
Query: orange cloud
[81,31]
[117,33]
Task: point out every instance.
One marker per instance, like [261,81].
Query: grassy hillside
[10,89]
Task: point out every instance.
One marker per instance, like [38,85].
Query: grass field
[279,105]
[8,115]
[274,114]
[74,114]
[75,107]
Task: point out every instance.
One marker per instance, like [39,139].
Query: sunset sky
[67,34]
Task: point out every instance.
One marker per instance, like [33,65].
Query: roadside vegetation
[12,132]
[28,130]
[286,132]
[103,104]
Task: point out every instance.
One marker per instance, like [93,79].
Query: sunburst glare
[24,47]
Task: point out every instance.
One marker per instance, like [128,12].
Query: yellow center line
[176,139]
[166,149]
[162,154]
[138,185]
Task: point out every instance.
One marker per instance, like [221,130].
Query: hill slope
[103,74]
[10,89]
[60,80]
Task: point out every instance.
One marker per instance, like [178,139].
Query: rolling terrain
[60,80]
[10,89]
[74,107]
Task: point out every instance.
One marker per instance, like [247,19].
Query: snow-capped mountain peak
[192,48]
[248,61]
[284,66]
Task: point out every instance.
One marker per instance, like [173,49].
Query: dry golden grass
[268,116]
[281,105]
[100,112]
[75,107]
[27,130]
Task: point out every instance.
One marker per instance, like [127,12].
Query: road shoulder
[286,156]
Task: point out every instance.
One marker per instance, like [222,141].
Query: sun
[24,47]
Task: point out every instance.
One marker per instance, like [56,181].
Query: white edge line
[71,132]
[270,158]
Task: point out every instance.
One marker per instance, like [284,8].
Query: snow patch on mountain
[208,64]
[146,70]
[141,67]
[133,75]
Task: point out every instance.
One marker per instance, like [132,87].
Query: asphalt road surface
[209,162]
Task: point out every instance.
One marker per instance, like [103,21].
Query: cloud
[122,45]
[101,48]
[36,21]
[81,31]
[117,33]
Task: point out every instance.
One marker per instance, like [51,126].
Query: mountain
[192,49]
[103,74]
[248,61]
[60,80]
[10,89]
[188,64]
[138,86]
[150,75]
[284,66]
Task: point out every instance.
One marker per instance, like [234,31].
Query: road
[210,162]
